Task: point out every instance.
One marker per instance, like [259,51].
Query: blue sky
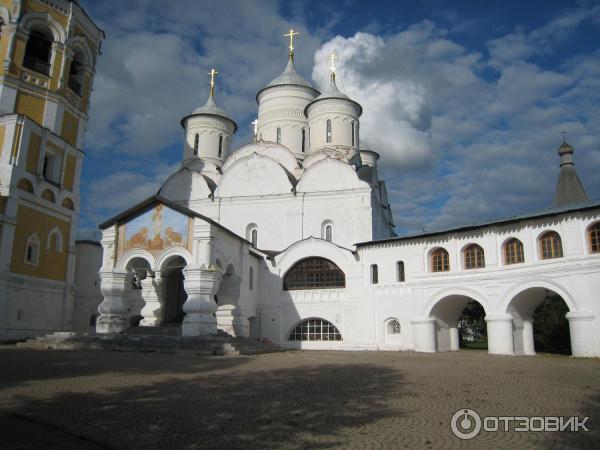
[464,100]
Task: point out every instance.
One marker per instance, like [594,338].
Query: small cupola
[569,189]
[333,118]
[208,130]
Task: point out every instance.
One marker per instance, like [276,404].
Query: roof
[154,199]
[550,212]
[569,190]
[333,93]
[210,108]
[289,77]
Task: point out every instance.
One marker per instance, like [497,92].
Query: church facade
[291,238]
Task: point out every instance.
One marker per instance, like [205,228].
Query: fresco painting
[157,229]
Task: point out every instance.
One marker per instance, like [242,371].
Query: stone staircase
[153,339]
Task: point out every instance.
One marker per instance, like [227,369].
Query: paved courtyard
[363,400]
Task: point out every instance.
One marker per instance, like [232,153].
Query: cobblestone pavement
[362,400]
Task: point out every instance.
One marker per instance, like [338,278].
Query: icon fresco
[157,229]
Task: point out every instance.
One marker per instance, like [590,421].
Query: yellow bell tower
[48,52]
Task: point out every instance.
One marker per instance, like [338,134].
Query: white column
[114,286]
[229,320]
[454,340]
[581,327]
[152,293]
[500,335]
[528,345]
[424,335]
[201,284]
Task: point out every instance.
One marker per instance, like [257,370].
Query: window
[594,233]
[251,279]
[254,237]
[32,250]
[38,52]
[25,185]
[329,233]
[328,131]
[352,134]
[513,252]
[474,257]
[278,135]
[314,273]
[68,203]
[374,274]
[440,260]
[303,140]
[315,330]
[49,195]
[400,271]
[551,245]
[393,327]
[196,143]
[220,146]
[76,76]
[50,168]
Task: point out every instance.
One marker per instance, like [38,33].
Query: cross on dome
[255,128]
[291,35]
[213,73]
[333,57]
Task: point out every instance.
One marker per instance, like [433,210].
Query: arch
[330,175]
[314,329]
[125,257]
[550,245]
[314,273]
[79,45]
[457,292]
[252,233]
[400,272]
[49,195]
[327,230]
[25,185]
[541,283]
[313,247]
[168,253]
[473,256]
[593,237]
[44,21]
[55,240]
[4,15]
[68,203]
[439,260]
[513,251]
[281,154]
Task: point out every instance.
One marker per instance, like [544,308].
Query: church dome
[289,77]
[565,148]
[210,108]
[333,93]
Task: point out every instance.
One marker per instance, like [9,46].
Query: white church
[291,239]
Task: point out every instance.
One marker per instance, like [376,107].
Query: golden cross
[291,35]
[255,126]
[333,57]
[213,73]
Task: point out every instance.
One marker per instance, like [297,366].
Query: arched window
[278,135]
[374,274]
[38,52]
[315,330]
[75,82]
[196,143]
[32,250]
[254,237]
[251,279]
[392,327]
[220,146]
[314,273]
[25,185]
[329,233]
[474,257]
[49,195]
[440,260]
[68,203]
[303,140]
[513,252]
[352,133]
[328,130]
[594,233]
[550,245]
[55,241]
[400,271]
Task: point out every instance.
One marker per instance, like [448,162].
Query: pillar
[500,334]
[528,345]
[581,328]
[229,320]
[201,284]
[424,335]
[152,293]
[115,286]
[454,340]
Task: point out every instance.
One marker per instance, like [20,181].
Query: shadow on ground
[302,407]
